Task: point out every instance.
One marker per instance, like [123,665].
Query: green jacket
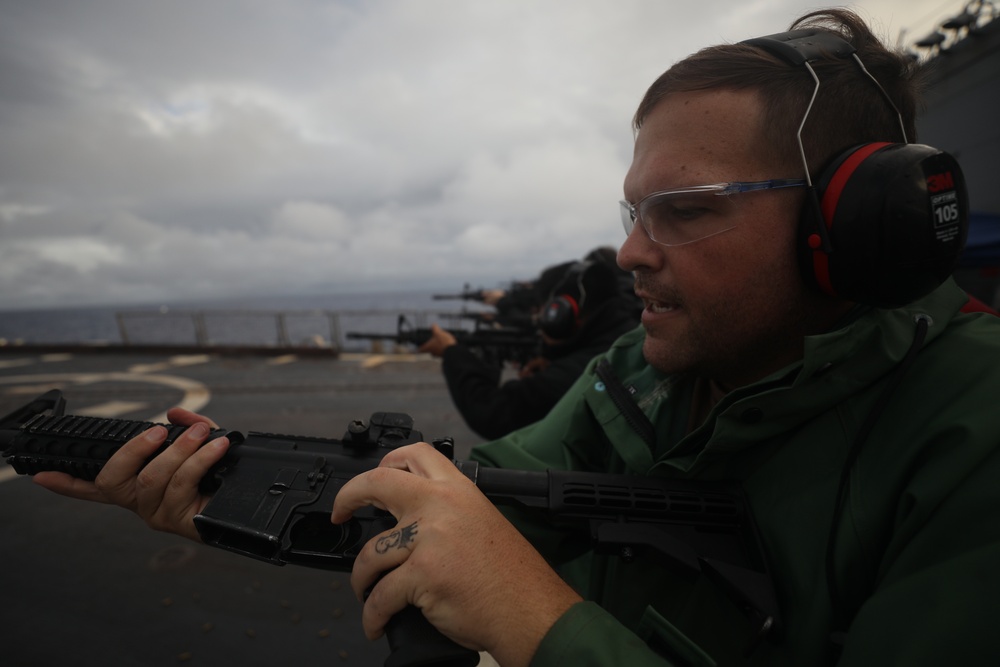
[916,561]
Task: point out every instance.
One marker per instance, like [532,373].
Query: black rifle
[272,496]
[493,344]
[517,289]
[465,295]
[512,319]
[516,309]
[480,318]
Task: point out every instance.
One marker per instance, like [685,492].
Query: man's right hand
[165,492]
[453,555]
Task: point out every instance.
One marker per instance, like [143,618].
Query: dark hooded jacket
[493,408]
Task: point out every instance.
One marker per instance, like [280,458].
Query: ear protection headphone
[884,223]
[559,317]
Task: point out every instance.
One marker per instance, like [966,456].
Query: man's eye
[687,214]
[676,213]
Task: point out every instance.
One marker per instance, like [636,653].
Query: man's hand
[439,341]
[534,367]
[491,297]
[453,555]
[164,492]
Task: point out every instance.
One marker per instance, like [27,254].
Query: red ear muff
[885,224]
[560,317]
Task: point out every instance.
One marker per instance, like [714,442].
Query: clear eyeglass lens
[676,218]
[628,221]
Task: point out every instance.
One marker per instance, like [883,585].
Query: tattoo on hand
[397,539]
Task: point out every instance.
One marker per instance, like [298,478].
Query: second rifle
[495,344]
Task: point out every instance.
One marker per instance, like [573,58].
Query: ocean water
[300,320]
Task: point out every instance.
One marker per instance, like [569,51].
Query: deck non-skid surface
[88,584]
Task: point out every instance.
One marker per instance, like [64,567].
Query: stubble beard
[733,342]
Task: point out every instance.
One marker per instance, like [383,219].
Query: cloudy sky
[153,151]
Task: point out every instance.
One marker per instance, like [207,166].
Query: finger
[181,500]
[184,417]
[388,487]
[185,480]
[69,486]
[386,599]
[392,487]
[421,459]
[368,488]
[117,478]
[152,481]
[384,552]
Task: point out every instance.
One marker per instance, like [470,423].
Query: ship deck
[89,584]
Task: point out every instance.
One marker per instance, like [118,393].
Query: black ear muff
[885,224]
[560,317]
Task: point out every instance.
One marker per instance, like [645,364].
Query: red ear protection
[559,317]
[885,224]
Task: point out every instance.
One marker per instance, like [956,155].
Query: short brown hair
[849,108]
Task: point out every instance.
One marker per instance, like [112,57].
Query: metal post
[200,332]
[122,329]
[335,341]
[282,330]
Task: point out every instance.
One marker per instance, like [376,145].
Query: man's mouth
[661,307]
[657,305]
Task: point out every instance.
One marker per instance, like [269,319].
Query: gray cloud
[157,151]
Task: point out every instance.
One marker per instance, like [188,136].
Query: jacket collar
[835,366]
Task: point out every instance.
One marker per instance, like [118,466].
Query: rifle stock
[272,496]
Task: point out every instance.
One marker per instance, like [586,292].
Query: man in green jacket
[799,336]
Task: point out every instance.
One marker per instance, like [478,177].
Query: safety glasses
[685,215]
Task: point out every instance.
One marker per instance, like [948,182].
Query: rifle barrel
[475,295]
[366,335]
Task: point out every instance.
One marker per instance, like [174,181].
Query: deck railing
[291,329]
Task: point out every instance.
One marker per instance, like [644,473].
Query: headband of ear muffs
[559,317]
[883,223]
